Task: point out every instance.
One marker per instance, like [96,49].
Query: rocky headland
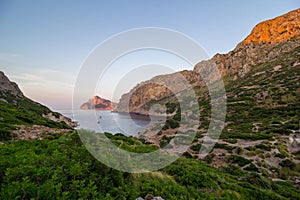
[98,103]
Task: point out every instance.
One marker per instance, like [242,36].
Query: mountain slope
[17,110]
[262,85]
[279,29]
[234,64]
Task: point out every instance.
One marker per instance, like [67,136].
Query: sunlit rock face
[7,86]
[98,103]
[266,42]
[279,29]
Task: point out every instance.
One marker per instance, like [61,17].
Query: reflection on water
[107,121]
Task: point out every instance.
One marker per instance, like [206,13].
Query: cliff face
[279,29]
[98,103]
[7,86]
[266,42]
[156,89]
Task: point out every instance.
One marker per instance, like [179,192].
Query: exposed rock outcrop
[34,132]
[150,197]
[265,43]
[60,118]
[7,86]
[279,29]
[98,103]
[156,89]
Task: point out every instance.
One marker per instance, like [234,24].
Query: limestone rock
[35,132]
[150,197]
[279,29]
[98,103]
[267,41]
[60,118]
[7,86]
[261,95]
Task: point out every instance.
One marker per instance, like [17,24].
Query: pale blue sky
[43,43]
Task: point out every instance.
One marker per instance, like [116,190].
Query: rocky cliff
[98,103]
[156,89]
[7,86]
[279,29]
[267,41]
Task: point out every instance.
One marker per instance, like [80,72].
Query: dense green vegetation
[247,105]
[131,145]
[15,111]
[61,168]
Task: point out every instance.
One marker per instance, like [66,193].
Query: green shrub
[171,107]
[251,168]
[241,161]
[264,147]
[172,123]
[165,140]
[196,147]
[287,163]
[62,168]
[232,141]
[246,136]
[224,146]
[279,155]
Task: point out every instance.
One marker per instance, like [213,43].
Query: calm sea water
[107,121]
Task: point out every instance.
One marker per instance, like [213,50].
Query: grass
[23,111]
[61,168]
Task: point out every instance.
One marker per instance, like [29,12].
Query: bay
[106,121]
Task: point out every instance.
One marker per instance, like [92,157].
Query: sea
[106,121]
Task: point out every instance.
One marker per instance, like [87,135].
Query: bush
[251,168]
[196,147]
[264,147]
[279,155]
[187,155]
[172,123]
[165,140]
[62,168]
[241,161]
[232,141]
[171,107]
[224,146]
[246,136]
[287,163]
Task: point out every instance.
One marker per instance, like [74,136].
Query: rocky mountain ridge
[257,48]
[7,86]
[279,29]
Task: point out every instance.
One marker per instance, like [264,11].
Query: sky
[43,44]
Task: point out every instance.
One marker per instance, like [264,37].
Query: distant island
[98,103]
